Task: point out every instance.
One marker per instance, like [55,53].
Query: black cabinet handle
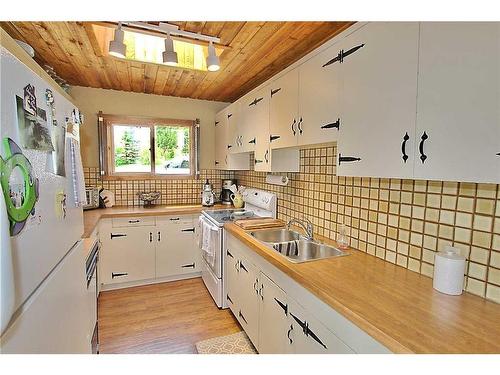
[229,299]
[299,322]
[150,236]
[307,331]
[342,55]
[255,101]
[216,162]
[252,141]
[255,286]
[134,221]
[242,317]
[288,333]
[117,235]
[229,146]
[188,230]
[343,159]
[298,126]
[243,267]
[192,265]
[498,154]
[403,147]
[225,159]
[293,128]
[174,219]
[159,236]
[266,156]
[331,125]
[229,254]
[216,123]
[284,306]
[118,274]
[274,137]
[423,138]
[275,91]
[229,115]
[258,161]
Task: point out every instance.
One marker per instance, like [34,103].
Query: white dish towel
[208,241]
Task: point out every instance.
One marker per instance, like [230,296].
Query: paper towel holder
[281,180]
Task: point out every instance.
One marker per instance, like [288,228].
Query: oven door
[210,245]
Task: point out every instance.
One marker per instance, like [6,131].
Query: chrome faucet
[306,225]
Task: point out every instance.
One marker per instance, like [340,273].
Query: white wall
[90,101]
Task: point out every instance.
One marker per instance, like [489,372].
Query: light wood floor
[161,318]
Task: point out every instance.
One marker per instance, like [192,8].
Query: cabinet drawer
[185,220]
[121,222]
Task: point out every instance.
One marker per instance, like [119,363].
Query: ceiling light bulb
[169,55]
[116,47]
[213,63]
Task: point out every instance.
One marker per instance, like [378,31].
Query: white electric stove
[258,203]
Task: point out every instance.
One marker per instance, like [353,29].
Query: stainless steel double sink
[295,247]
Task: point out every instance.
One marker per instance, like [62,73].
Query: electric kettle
[207,195]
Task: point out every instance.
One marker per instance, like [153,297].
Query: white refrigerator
[43,283]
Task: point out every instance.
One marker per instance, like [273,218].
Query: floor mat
[237,343]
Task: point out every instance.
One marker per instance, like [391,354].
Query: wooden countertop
[92,217]
[396,306]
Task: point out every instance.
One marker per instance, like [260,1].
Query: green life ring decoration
[18,213]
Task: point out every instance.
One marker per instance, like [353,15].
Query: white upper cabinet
[283,110]
[377,123]
[319,99]
[255,118]
[221,140]
[458,111]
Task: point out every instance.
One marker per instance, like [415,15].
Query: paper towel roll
[276,179]
[449,267]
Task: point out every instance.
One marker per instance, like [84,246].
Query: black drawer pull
[242,266]
[252,141]
[229,254]
[192,265]
[134,221]
[255,101]
[188,230]
[229,146]
[343,159]
[308,333]
[423,138]
[298,126]
[293,127]
[342,55]
[498,154]
[266,156]
[258,161]
[229,115]
[216,162]
[284,306]
[216,123]
[274,137]
[150,236]
[174,219]
[118,274]
[331,125]
[403,147]
[242,317]
[229,299]
[117,235]
[288,333]
[159,236]
[275,91]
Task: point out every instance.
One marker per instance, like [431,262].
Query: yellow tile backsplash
[402,221]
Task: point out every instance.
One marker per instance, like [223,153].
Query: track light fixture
[169,55]
[116,46]
[213,63]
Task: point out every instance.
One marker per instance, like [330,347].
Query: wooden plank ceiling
[256,51]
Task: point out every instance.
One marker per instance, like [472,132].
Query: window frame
[106,140]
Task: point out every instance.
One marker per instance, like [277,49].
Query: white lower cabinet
[274,328]
[176,249]
[264,300]
[136,250]
[127,254]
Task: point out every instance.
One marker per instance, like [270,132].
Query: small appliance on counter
[225,195]
[207,195]
[92,198]
[149,198]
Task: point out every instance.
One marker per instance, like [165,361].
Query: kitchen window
[147,147]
